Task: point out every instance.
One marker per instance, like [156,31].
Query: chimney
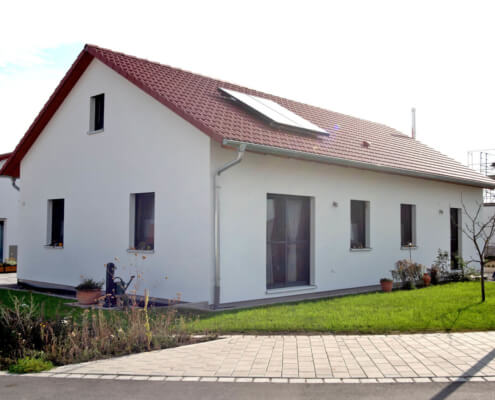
[413,111]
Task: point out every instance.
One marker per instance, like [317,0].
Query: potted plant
[88,291]
[10,265]
[426,279]
[386,284]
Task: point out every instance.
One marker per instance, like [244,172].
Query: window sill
[363,249]
[409,247]
[291,289]
[95,132]
[47,246]
[140,251]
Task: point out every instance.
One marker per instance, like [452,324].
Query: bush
[440,268]
[30,364]
[20,329]
[406,271]
[409,285]
[89,284]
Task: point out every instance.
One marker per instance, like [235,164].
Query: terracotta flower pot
[426,279]
[387,285]
[87,297]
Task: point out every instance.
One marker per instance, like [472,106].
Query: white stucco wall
[243,197]
[144,148]
[9,210]
[489,212]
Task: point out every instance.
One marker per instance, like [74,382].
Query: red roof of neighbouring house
[196,98]
[4,156]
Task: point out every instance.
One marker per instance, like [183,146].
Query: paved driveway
[8,279]
[321,358]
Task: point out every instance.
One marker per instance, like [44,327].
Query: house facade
[9,208]
[181,182]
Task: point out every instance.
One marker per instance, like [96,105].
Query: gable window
[97,113]
[359,224]
[143,221]
[56,222]
[407,225]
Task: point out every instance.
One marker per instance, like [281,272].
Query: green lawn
[50,306]
[448,308]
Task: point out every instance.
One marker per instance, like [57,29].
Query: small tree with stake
[480,232]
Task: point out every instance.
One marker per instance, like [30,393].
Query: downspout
[216,205]
[14,184]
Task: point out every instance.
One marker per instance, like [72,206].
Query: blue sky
[373,60]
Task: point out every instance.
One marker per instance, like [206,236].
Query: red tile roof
[196,98]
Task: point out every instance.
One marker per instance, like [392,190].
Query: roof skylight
[274,112]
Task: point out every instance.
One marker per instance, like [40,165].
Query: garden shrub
[407,272]
[30,364]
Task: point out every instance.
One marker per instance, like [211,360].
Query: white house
[9,208]
[121,165]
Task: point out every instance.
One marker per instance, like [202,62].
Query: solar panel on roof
[273,111]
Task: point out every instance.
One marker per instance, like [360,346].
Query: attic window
[273,112]
[97,113]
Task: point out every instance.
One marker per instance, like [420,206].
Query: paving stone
[124,377]
[173,378]
[280,380]
[297,380]
[191,379]
[440,379]
[226,379]
[209,379]
[385,380]
[332,380]
[422,380]
[157,378]
[314,380]
[244,380]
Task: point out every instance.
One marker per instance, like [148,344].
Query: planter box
[10,268]
[4,268]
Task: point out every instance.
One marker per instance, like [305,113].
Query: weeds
[92,335]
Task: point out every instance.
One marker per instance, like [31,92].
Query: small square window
[143,221]
[97,113]
[407,225]
[359,224]
[56,222]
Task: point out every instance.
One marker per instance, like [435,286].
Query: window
[407,224]
[288,241]
[359,224]
[455,237]
[56,222]
[143,221]
[97,113]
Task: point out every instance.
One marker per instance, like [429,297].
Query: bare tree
[480,232]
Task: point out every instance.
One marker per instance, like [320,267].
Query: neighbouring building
[9,209]
[217,193]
